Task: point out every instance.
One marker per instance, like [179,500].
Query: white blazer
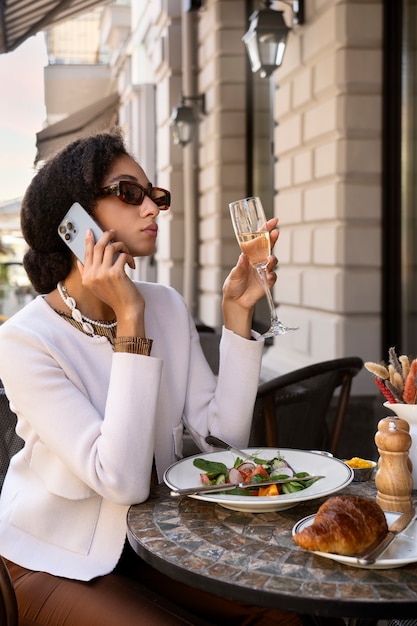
[93,420]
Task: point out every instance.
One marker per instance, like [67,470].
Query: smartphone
[73,228]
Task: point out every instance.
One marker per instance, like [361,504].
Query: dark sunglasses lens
[131,193]
[161,197]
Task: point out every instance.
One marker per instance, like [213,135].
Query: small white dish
[402,551]
[337,475]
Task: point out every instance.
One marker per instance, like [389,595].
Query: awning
[101,115]
[20,19]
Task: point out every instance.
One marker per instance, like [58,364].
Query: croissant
[345,525]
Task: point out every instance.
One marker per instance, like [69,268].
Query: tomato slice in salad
[258,471]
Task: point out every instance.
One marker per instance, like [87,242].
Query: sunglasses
[133,193]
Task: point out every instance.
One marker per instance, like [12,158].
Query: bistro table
[251,557]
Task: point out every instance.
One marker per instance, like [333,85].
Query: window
[408,180]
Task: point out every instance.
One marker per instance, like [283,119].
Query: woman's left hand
[243,288]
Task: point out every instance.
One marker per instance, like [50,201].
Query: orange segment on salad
[271,490]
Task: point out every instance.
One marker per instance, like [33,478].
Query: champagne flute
[249,223]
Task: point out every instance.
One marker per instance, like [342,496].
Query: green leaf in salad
[292,487]
[212,468]
[298,484]
[259,479]
[259,461]
[220,479]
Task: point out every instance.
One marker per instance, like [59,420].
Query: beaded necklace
[86,324]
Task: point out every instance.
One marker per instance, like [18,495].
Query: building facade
[313,141]
[325,114]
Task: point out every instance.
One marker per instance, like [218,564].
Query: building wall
[222,78]
[327,172]
[328,182]
[327,148]
[154,54]
[327,177]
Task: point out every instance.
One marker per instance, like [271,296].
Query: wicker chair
[292,410]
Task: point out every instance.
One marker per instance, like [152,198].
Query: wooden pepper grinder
[393,477]
[400,423]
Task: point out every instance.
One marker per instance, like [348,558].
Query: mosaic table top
[251,557]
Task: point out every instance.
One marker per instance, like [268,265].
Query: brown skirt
[133,594]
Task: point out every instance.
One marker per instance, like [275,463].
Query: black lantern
[266,38]
[184,120]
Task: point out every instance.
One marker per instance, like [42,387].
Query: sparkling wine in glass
[250,226]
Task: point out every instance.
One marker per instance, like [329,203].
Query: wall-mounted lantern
[184,119]
[266,37]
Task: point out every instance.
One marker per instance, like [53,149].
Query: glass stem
[262,275]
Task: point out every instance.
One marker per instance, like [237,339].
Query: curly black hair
[75,174]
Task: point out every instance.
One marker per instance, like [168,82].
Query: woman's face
[135,225]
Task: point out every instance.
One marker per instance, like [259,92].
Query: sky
[22,114]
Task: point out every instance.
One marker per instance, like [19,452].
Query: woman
[103,374]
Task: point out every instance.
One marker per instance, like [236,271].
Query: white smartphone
[73,228]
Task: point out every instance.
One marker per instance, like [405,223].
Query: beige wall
[328,179]
[327,173]
[158,26]
[327,111]
[222,149]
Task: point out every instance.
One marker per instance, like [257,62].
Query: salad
[254,471]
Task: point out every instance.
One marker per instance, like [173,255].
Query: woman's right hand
[106,278]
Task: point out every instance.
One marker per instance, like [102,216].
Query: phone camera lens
[70,225]
[67,236]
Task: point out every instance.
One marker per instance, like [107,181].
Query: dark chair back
[10,443]
[292,410]
[210,342]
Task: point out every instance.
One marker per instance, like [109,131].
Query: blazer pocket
[65,523]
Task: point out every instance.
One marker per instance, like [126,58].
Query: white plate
[402,551]
[337,475]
